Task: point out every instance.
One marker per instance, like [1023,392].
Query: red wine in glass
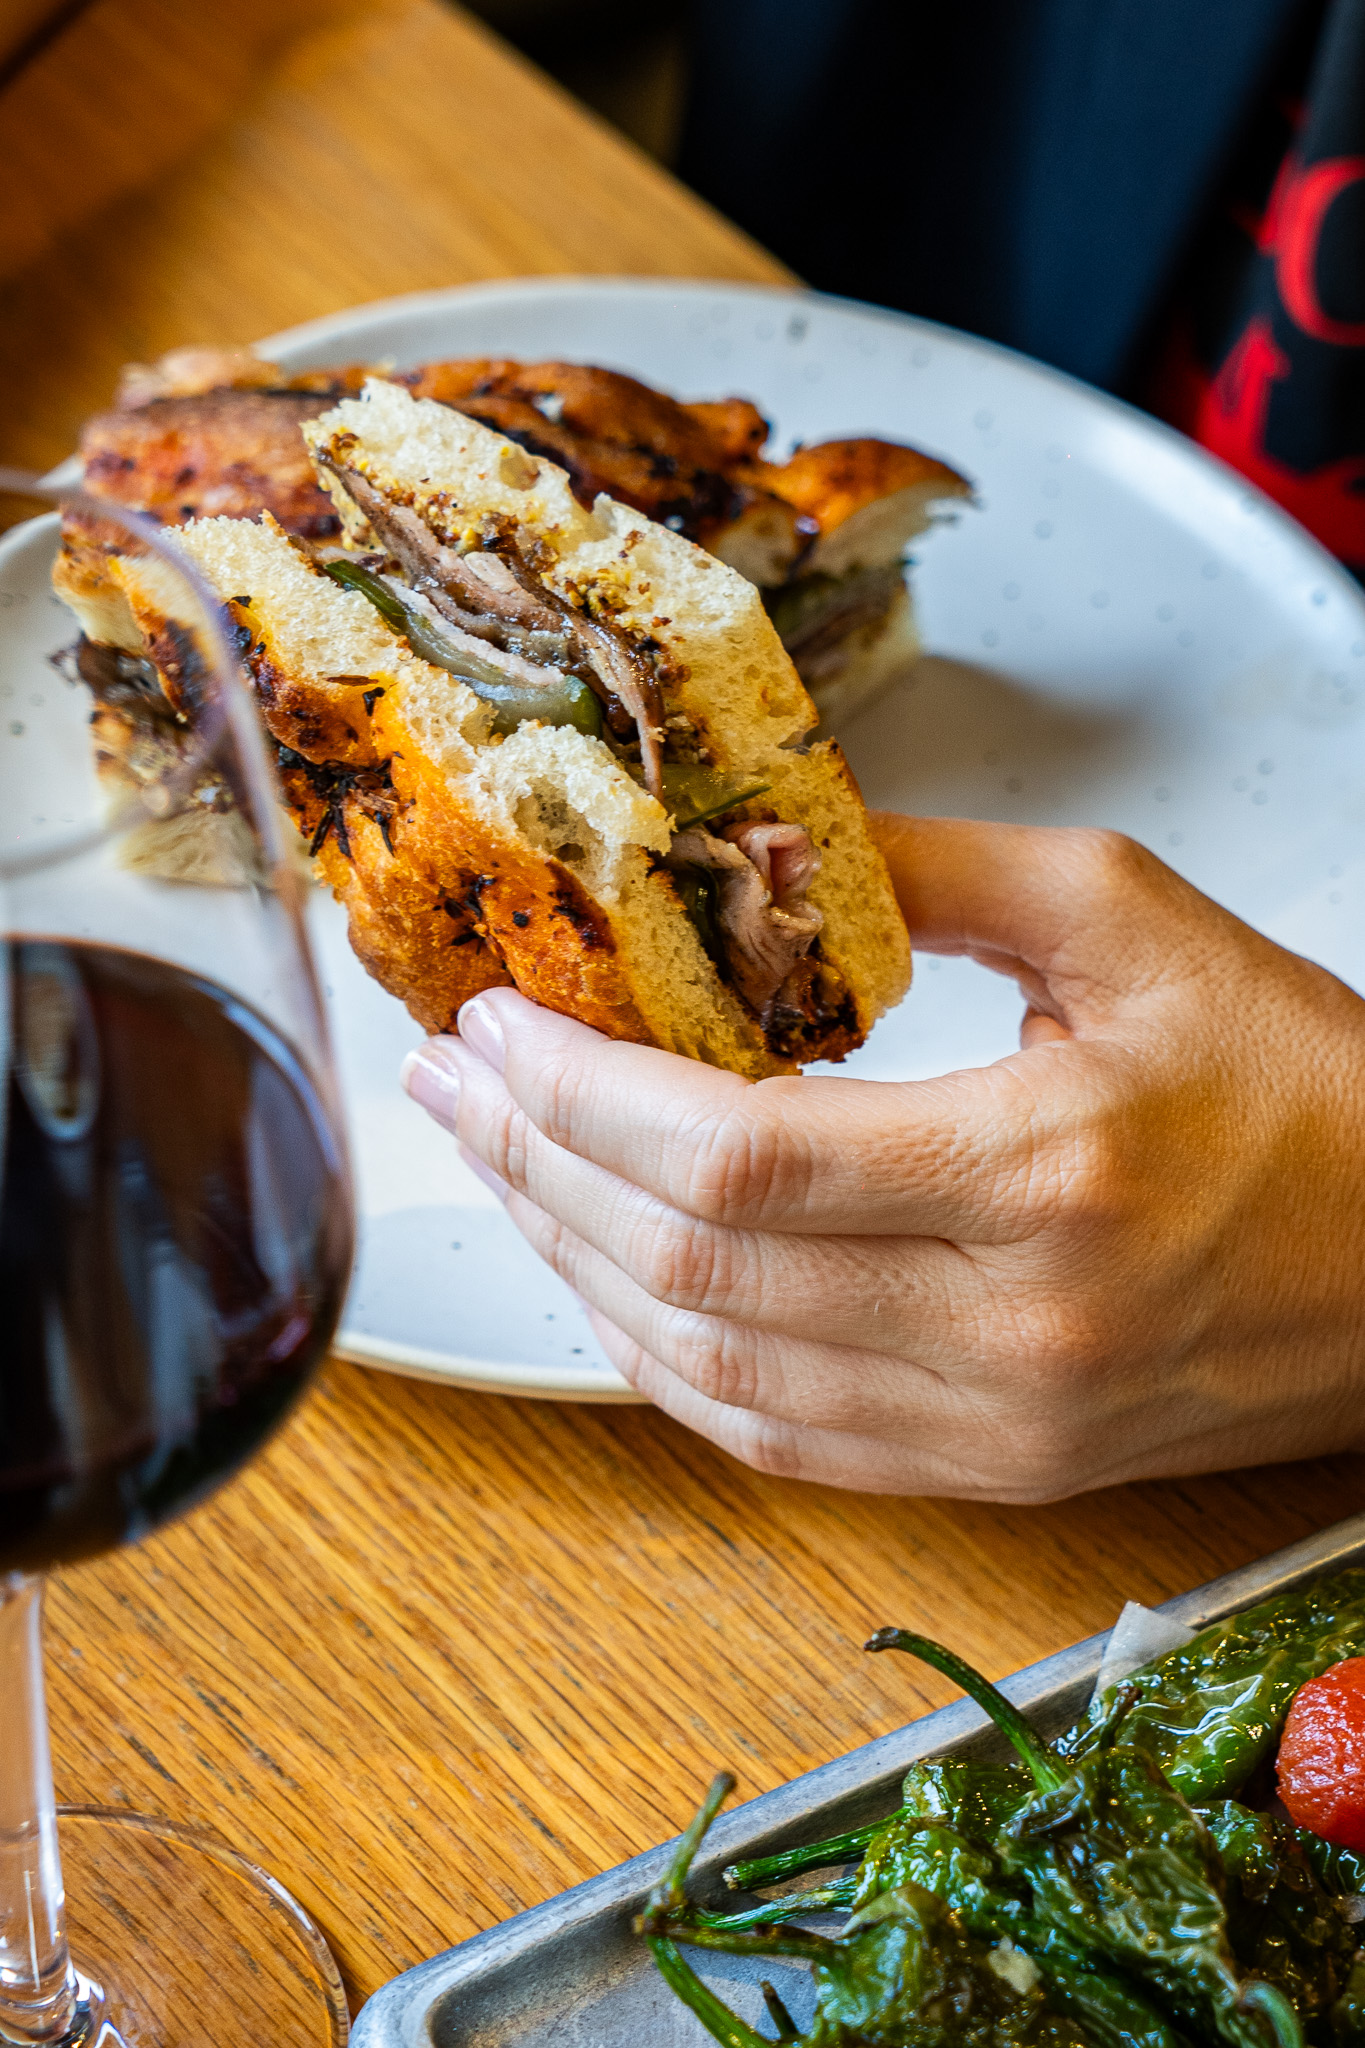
[174,1245]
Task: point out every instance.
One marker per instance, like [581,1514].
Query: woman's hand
[1137,1246]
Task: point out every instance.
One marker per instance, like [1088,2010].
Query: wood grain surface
[436,1656]
[322,153]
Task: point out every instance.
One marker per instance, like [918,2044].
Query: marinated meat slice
[221,453]
[477,603]
[761,874]
[786,859]
[485,594]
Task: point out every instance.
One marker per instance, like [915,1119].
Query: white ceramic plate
[1124,633]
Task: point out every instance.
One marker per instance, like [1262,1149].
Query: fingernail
[481,1027]
[484,1173]
[432,1083]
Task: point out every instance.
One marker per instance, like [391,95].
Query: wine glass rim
[229,714]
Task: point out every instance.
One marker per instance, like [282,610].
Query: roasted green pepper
[1348,2014]
[970,1879]
[1083,1876]
[694,792]
[1340,1871]
[974,1797]
[1120,1867]
[904,1971]
[560,700]
[696,886]
[1119,1864]
[1208,1713]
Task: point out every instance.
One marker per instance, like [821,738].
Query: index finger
[945,1158]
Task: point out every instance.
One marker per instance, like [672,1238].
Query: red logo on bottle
[1230,420]
[1230,412]
[1291,232]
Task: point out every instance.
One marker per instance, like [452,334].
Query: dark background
[629,60]
[1036,171]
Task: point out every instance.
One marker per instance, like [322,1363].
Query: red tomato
[1322,1756]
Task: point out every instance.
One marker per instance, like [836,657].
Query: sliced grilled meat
[761,874]
[486,594]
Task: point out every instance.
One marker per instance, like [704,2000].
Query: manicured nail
[481,1027]
[485,1173]
[432,1083]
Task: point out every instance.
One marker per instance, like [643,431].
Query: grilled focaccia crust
[208,431]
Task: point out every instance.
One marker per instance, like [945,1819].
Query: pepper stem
[1271,2002]
[778,2014]
[823,1898]
[742,1877]
[667,1896]
[1027,1743]
[763,1940]
[665,1913]
[723,2025]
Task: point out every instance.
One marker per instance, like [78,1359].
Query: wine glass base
[178,1940]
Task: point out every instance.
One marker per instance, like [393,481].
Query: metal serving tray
[570,1973]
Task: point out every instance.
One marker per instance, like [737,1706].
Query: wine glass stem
[38,1990]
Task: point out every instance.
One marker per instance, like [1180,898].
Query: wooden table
[437,1655]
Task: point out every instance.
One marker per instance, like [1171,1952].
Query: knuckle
[1040,1455]
[1095,1188]
[746,1166]
[558,1094]
[687,1264]
[1082,1181]
[1112,862]
[1060,1345]
[768,1448]
[714,1357]
[507,1144]
[1052,1472]
[1050,1365]
[673,1260]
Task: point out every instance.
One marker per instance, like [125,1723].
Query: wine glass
[176,1234]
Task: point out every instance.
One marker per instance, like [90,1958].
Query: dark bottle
[175,1240]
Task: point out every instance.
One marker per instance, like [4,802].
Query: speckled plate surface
[1123,633]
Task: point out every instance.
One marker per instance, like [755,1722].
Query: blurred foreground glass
[175,1239]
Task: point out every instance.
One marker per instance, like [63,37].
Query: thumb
[1085,921]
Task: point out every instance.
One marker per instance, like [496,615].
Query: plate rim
[481,1376]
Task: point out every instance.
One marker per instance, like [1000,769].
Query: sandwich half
[530,742]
